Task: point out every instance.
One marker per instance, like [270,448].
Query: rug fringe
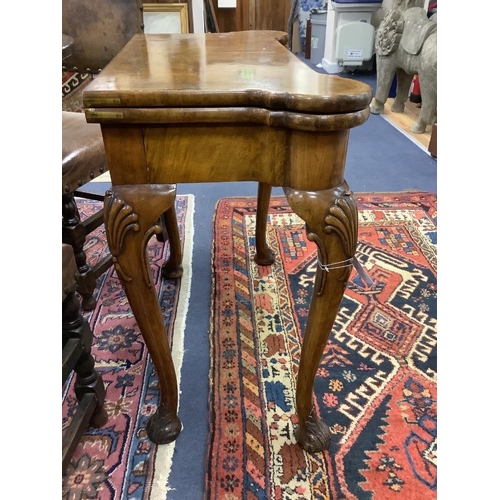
[164,453]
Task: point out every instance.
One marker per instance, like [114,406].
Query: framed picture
[160,18]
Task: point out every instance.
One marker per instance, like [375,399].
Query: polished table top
[220,70]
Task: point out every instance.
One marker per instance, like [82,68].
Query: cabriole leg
[172,268]
[263,255]
[131,216]
[331,222]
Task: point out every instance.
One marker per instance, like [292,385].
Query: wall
[198,16]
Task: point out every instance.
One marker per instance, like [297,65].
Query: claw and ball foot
[314,435]
[163,427]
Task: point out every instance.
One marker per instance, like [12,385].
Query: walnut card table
[226,107]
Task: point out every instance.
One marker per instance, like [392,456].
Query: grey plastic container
[318,35]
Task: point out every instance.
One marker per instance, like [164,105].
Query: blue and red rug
[376,386]
[119,461]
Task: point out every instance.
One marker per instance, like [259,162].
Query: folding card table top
[227,107]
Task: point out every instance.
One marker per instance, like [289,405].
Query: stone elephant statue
[406,45]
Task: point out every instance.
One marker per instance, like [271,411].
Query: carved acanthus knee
[122,206]
[340,219]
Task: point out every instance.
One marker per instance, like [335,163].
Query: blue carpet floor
[380,158]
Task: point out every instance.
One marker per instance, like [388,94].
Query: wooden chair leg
[74,234]
[89,387]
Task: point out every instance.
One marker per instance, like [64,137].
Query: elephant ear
[389,33]
[416,30]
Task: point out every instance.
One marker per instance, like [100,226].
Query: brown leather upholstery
[99,29]
[83,155]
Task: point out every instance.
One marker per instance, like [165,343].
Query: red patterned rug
[376,386]
[118,460]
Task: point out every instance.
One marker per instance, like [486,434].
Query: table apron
[186,153]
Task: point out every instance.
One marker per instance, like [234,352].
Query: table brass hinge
[104,114]
[102,101]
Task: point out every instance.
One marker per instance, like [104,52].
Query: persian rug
[118,460]
[376,386]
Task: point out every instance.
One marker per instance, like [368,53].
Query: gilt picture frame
[162,18]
